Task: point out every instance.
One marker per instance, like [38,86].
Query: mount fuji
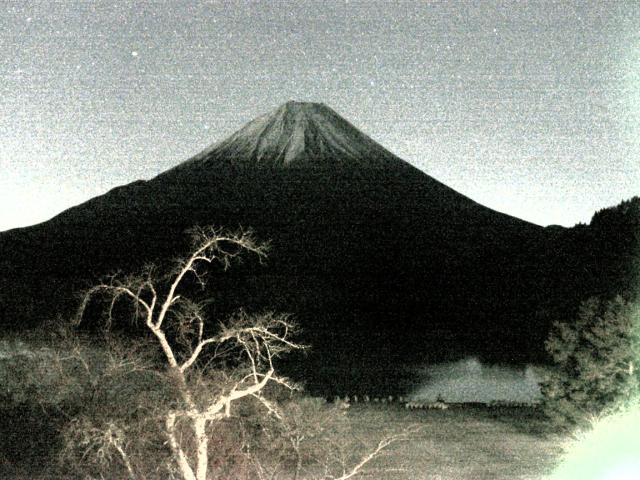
[377,260]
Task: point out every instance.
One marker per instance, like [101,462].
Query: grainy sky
[530,108]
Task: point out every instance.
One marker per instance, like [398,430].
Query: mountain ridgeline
[378,261]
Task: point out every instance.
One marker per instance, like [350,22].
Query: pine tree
[595,360]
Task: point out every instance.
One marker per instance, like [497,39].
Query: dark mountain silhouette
[377,260]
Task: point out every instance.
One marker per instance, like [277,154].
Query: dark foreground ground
[470,443]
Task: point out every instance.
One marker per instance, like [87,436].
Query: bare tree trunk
[200,430]
[178,454]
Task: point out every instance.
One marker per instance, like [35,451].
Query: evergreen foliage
[596,359]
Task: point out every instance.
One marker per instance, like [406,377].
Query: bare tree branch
[178,326]
[382,444]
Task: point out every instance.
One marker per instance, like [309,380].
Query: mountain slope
[299,134]
[375,258]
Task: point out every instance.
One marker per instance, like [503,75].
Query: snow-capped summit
[297,134]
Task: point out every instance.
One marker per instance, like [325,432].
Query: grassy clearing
[473,443]
[463,443]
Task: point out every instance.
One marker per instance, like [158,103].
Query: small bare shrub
[314,439]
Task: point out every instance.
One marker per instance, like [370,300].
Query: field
[471,443]
[464,442]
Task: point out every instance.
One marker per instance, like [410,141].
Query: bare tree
[197,357]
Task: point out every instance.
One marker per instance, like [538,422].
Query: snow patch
[300,132]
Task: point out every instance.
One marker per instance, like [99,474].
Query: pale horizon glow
[531,109]
[468,380]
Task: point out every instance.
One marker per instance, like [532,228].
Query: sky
[530,108]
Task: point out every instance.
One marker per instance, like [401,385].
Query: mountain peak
[299,134]
[296,106]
